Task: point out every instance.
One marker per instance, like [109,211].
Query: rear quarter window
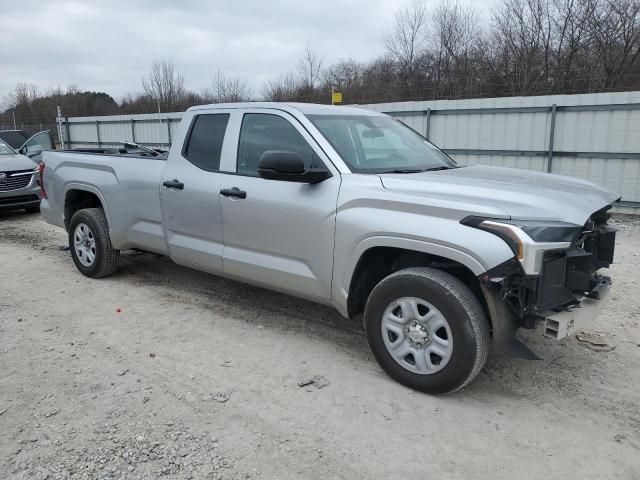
[203,145]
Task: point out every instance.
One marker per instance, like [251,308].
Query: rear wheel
[90,244]
[427,330]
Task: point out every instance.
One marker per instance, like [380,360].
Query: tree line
[528,47]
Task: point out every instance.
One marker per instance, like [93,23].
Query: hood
[9,163]
[506,192]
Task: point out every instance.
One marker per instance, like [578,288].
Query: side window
[261,132]
[39,142]
[204,142]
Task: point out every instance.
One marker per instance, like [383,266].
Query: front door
[38,143]
[190,193]
[276,233]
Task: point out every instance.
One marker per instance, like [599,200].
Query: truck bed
[127,183]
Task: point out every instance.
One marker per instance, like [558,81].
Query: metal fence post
[133,131]
[98,133]
[552,132]
[428,129]
[66,124]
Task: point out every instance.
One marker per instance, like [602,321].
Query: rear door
[191,192]
[277,233]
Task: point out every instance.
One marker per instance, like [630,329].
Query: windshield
[372,144]
[6,149]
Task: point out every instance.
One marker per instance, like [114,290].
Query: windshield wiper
[418,170]
[404,170]
[435,169]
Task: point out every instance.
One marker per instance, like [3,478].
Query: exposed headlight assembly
[528,239]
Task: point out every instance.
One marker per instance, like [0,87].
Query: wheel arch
[377,258]
[78,196]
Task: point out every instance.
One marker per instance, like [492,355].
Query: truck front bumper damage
[558,325]
[567,295]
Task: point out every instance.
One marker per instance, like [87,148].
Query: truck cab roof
[292,107]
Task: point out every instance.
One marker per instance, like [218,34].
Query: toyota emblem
[3,177]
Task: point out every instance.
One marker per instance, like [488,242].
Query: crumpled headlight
[528,239]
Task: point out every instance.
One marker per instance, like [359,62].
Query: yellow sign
[336,97]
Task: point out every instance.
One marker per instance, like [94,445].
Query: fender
[86,188]
[341,289]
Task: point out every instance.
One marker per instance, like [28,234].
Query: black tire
[458,305]
[33,209]
[106,257]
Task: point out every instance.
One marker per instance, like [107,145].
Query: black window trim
[187,140]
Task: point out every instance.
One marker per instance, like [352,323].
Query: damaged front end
[554,277]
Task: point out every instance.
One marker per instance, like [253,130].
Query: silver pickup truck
[350,208]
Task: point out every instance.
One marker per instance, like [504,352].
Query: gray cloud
[109,45]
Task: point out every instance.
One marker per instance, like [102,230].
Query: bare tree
[570,69]
[226,89]
[519,49]
[407,38]
[344,75]
[164,86]
[531,47]
[455,33]
[309,67]
[23,94]
[283,89]
[614,29]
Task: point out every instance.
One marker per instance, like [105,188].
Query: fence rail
[590,136]
[552,110]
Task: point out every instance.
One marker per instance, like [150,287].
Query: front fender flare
[341,289]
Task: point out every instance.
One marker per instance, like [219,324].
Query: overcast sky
[109,45]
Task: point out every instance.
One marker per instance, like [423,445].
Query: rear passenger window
[204,143]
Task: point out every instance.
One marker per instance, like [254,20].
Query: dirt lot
[162,371]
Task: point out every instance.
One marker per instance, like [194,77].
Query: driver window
[261,132]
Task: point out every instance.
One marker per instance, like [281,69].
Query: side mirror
[288,167]
[33,152]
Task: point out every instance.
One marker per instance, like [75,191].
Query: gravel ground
[159,371]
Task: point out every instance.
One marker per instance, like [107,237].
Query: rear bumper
[50,214]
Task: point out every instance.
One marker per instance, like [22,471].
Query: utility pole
[14,119]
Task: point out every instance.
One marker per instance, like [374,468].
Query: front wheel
[90,244]
[427,330]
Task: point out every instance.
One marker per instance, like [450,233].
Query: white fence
[591,136]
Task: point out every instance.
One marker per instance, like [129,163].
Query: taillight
[43,193]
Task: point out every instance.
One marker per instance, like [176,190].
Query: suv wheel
[427,330]
[90,244]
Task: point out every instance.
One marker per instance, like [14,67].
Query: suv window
[39,142]
[261,132]
[204,142]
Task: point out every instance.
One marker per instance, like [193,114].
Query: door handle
[233,192]
[177,184]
